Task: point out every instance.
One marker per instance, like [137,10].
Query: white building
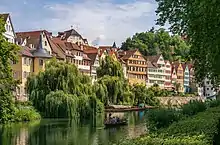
[9,34]
[168,80]
[156,71]
[207,90]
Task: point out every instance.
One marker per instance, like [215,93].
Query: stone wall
[176,101]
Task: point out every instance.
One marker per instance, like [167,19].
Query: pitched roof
[85,57]
[153,58]
[151,65]
[4,16]
[32,37]
[92,57]
[66,34]
[128,54]
[26,51]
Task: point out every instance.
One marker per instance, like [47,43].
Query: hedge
[200,129]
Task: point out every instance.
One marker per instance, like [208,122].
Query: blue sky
[100,21]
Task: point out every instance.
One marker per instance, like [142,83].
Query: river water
[66,132]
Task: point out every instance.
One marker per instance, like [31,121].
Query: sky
[100,21]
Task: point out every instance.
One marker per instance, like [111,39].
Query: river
[66,132]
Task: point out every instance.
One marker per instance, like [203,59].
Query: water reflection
[66,132]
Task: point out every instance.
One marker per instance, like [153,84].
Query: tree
[154,42]
[110,67]
[199,21]
[8,54]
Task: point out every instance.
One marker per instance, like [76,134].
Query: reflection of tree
[177,86]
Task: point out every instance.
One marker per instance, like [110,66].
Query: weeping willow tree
[62,91]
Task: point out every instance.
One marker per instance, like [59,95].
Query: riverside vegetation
[196,123]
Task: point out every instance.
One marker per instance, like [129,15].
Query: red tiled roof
[25,51]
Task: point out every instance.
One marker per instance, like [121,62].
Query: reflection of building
[9,29]
[186,78]
[136,66]
[22,138]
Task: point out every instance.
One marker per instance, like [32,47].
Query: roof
[128,54]
[85,57]
[4,16]
[92,57]
[66,34]
[151,65]
[153,58]
[32,37]
[40,51]
[26,51]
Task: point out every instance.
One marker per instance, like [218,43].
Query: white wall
[9,34]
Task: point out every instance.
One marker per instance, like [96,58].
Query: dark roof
[92,57]
[153,58]
[151,65]
[128,54]
[114,45]
[40,51]
[4,16]
[68,33]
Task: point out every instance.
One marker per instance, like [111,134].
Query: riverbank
[195,128]
[127,109]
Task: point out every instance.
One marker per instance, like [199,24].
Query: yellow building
[30,61]
[136,66]
[180,75]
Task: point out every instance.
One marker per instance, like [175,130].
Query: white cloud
[101,21]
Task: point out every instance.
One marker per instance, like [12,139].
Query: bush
[203,123]
[193,107]
[156,140]
[162,117]
[213,103]
[26,114]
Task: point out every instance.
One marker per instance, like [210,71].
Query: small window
[45,43]
[41,62]
[207,82]
[25,74]
[13,62]
[207,88]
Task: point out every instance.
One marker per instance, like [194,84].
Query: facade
[174,76]
[207,90]
[72,36]
[30,61]
[186,78]
[93,55]
[156,71]
[136,66]
[9,29]
[180,76]
[168,80]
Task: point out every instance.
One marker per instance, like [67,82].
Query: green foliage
[26,114]
[162,117]
[110,67]
[198,25]
[62,92]
[60,105]
[157,140]
[144,95]
[193,107]
[213,103]
[156,42]
[7,108]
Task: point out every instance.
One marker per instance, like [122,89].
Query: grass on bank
[198,126]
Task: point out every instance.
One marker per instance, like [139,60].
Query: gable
[180,67]
[9,26]
[161,60]
[137,53]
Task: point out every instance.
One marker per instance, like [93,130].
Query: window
[45,43]
[207,88]
[41,62]
[25,74]
[13,62]
[207,82]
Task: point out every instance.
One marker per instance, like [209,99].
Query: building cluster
[39,46]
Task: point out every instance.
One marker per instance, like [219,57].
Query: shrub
[26,114]
[203,123]
[193,107]
[213,103]
[162,117]
[157,140]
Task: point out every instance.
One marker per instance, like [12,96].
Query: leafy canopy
[199,21]
[159,41]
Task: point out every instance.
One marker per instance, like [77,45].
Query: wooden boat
[121,123]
